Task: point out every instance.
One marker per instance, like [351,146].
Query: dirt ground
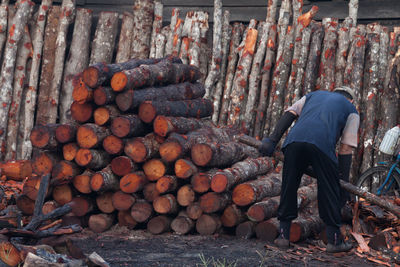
[123,247]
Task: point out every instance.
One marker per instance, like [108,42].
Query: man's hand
[267,148]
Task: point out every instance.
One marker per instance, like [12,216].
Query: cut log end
[154,169]
[122,165]
[245,230]
[207,224]
[82,93]
[96,182]
[137,151]
[170,151]
[9,254]
[121,126]
[100,222]
[80,206]
[70,150]
[256,213]
[113,145]
[165,184]
[119,81]
[159,225]
[267,230]
[83,157]
[161,125]
[243,195]
[91,76]
[122,201]
[65,133]
[164,204]
[150,192]
[185,195]
[40,136]
[201,182]
[141,211]
[184,168]
[101,116]
[201,154]
[295,232]
[194,211]
[147,112]
[87,138]
[219,183]
[81,112]
[82,183]
[132,182]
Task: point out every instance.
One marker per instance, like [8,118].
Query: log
[184,168]
[16,170]
[157,26]
[253,191]
[133,182]
[213,202]
[49,206]
[62,194]
[327,66]
[63,172]
[7,71]
[122,201]
[27,119]
[165,204]
[92,158]
[177,37]
[25,204]
[105,114]
[182,224]
[99,223]
[3,23]
[160,42]
[263,210]
[125,38]
[170,38]
[143,13]
[267,230]
[24,53]
[90,135]
[304,227]
[81,112]
[150,192]
[127,126]
[232,216]
[215,66]
[161,73]
[194,45]
[44,137]
[185,195]
[186,28]
[43,162]
[155,169]
[208,224]
[70,150]
[233,57]
[104,38]
[81,93]
[246,230]
[104,180]
[125,219]
[342,48]
[201,181]
[306,195]
[283,28]
[104,202]
[77,61]
[123,165]
[101,73]
[31,187]
[141,210]
[164,125]
[312,67]
[353,10]
[159,224]
[113,145]
[65,133]
[82,182]
[141,149]
[66,18]
[103,95]
[37,220]
[194,211]
[167,183]
[221,155]
[9,255]
[240,82]
[240,172]
[131,99]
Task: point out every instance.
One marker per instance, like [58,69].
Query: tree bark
[253,191]
[283,29]
[131,99]
[31,94]
[353,10]
[164,125]
[237,32]
[7,71]
[77,61]
[215,66]
[3,23]
[157,26]
[104,38]
[196,108]
[218,91]
[240,172]
[221,155]
[143,13]
[177,41]
[125,38]
[133,182]
[24,53]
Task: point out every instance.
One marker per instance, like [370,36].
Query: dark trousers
[298,156]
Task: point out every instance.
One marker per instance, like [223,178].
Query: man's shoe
[282,242]
[342,247]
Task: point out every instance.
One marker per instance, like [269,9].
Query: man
[322,119]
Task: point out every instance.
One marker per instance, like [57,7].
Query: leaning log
[77,61]
[343,46]
[196,108]
[253,191]
[170,37]
[327,67]
[125,38]
[3,23]
[143,13]
[104,37]
[7,70]
[156,29]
